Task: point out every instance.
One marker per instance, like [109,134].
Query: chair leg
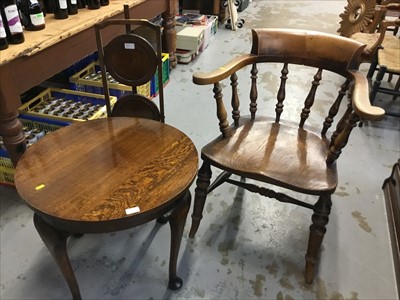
[317,231]
[203,181]
[396,88]
[372,68]
[390,77]
[377,83]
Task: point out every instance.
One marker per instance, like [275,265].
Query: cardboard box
[209,31]
[189,37]
[185,56]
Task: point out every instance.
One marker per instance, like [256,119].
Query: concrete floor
[247,247]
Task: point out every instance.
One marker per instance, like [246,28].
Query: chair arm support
[224,71]
[382,32]
[360,99]
[387,23]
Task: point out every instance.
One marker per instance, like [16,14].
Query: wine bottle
[93,4]
[3,36]
[72,7]
[48,7]
[42,6]
[31,14]
[81,3]
[12,22]
[36,15]
[60,9]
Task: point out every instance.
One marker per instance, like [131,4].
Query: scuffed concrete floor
[247,247]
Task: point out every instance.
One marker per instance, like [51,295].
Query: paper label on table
[132,210]
[129,45]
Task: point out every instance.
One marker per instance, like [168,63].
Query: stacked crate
[67,105]
[49,111]
[89,80]
[33,128]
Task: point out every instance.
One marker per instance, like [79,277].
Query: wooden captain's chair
[274,149]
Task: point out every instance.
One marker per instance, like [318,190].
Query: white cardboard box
[209,31]
[190,37]
[185,56]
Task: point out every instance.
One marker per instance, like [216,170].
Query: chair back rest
[360,16]
[310,48]
[286,47]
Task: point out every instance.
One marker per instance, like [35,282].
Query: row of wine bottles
[29,14]
[63,8]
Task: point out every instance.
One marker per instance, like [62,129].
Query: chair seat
[290,157]
[391,42]
[368,39]
[390,54]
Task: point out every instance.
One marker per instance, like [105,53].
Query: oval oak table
[107,175]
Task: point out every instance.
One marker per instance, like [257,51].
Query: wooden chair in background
[360,21]
[387,62]
[273,149]
[366,22]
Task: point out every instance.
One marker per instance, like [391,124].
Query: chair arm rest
[224,71]
[360,99]
[382,31]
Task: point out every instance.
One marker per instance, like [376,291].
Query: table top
[106,169]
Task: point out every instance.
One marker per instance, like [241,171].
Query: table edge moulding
[63,42]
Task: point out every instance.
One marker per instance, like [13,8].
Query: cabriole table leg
[56,241]
[177,221]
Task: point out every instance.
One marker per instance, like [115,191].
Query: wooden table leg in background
[10,126]
[13,138]
[216,7]
[169,32]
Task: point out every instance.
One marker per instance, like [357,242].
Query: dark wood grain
[92,172]
[291,157]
